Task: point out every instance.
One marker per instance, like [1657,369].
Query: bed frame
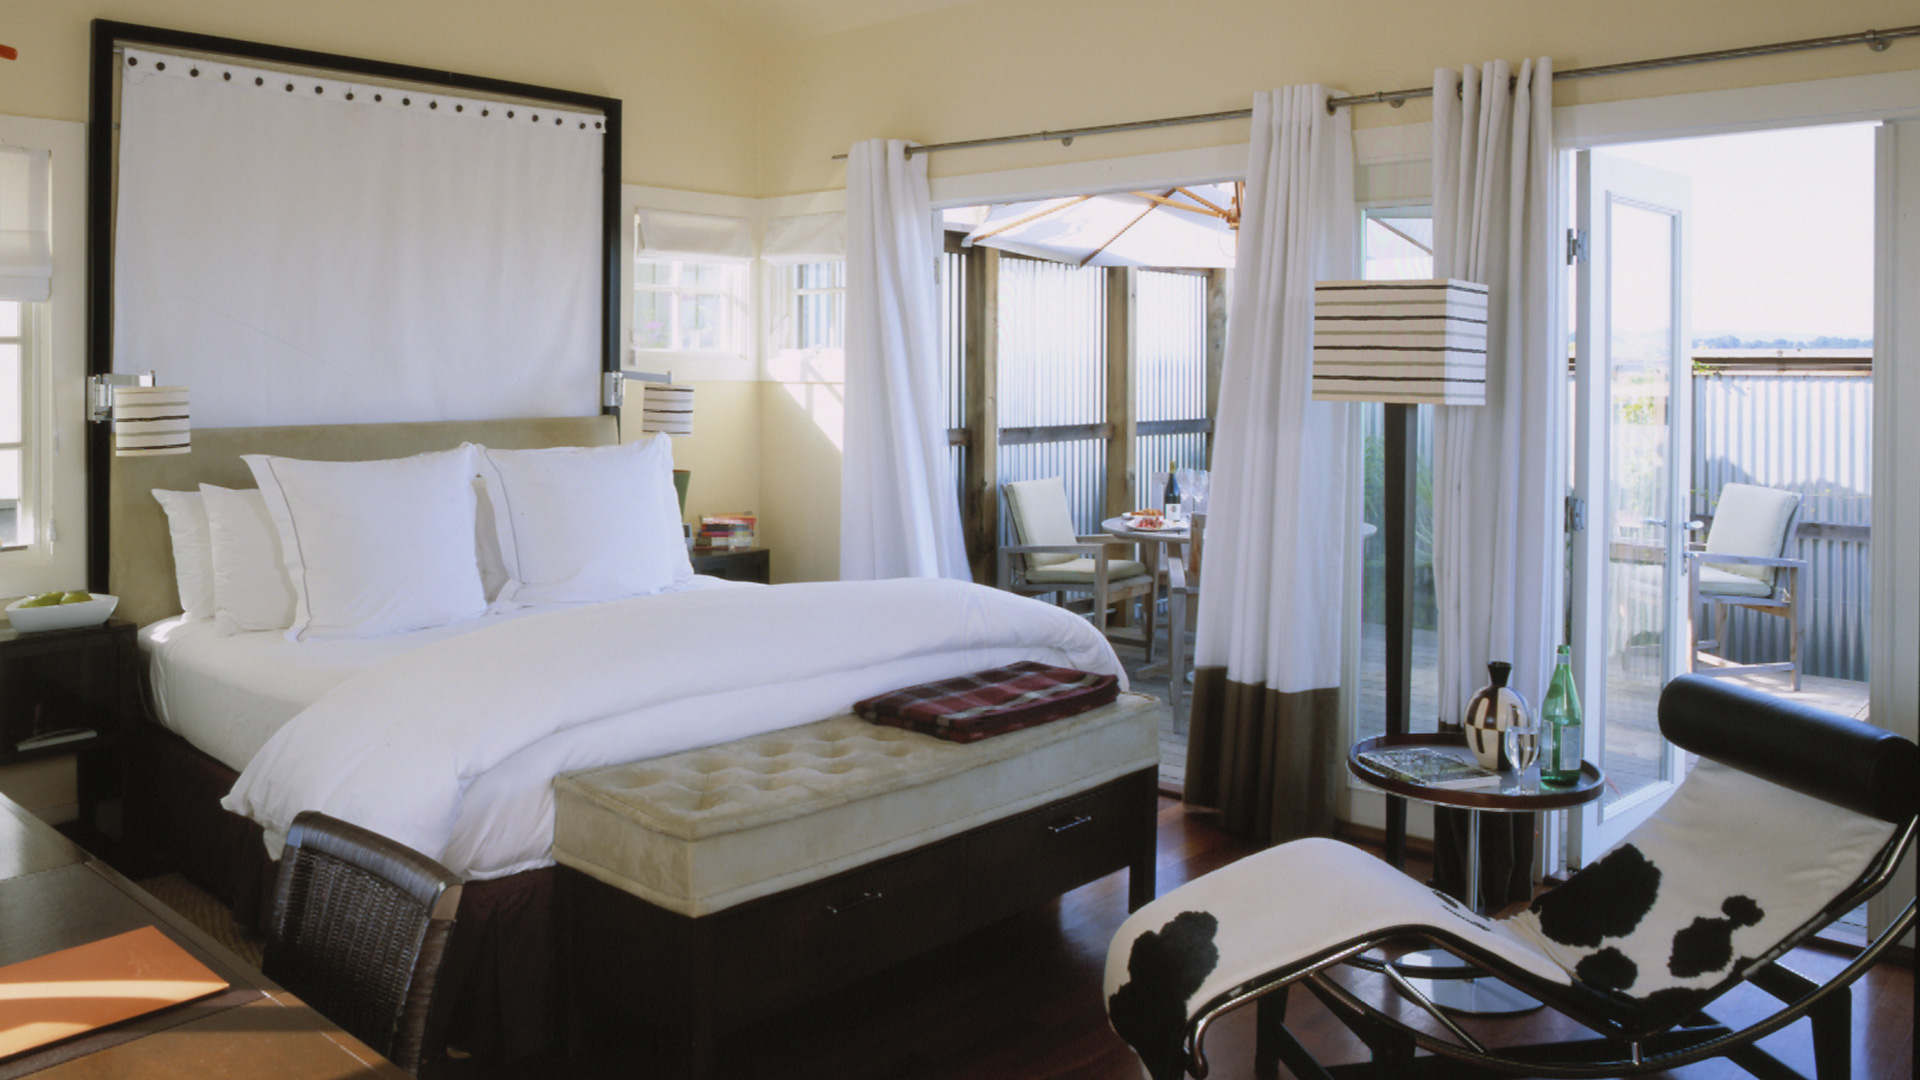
[498,985]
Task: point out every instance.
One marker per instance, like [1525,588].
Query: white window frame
[734,293]
[51,552]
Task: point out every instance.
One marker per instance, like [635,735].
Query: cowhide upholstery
[1283,907]
[1721,873]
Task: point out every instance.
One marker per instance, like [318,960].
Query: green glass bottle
[1563,738]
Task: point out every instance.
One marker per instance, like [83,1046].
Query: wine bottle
[1170,505]
[1560,715]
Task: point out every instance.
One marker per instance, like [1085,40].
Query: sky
[1782,230]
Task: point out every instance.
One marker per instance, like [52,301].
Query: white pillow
[486,543]
[250,590]
[375,547]
[192,550]
[580,524]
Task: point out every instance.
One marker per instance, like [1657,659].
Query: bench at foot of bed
[705,891]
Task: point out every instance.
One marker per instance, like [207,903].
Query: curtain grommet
[133,61]
[160,65]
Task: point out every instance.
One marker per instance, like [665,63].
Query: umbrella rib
[1218,210]
[1209,210]
[1162,200]
[1035,216]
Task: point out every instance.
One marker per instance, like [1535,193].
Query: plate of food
[1148,521]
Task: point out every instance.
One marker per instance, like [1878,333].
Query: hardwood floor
[1022,999]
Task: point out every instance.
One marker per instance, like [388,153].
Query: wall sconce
[664,408]
[148,420]
[1400,342]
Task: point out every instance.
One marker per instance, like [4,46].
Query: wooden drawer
[779,951]
[1026,860]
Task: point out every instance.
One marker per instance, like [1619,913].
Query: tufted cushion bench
[706,889]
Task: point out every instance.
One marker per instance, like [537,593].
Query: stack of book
[724,531]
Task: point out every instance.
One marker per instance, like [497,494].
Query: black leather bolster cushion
[1814,752]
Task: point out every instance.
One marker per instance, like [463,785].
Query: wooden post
[1123,389]
[982,507]
[1216,347]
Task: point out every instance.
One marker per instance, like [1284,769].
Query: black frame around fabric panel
[109,35]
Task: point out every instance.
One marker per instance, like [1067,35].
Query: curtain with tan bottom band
[1274,761]
[1265,744]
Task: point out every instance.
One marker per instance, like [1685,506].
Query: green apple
[76,598]
[45,600]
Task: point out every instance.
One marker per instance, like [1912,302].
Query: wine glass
[1522,743]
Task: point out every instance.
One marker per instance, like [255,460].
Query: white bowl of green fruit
[60,610]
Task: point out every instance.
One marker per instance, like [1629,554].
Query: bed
[406,734]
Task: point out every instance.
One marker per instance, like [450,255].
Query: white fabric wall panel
[344,253]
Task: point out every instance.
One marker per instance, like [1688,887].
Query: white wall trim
[1207,165]
[1754,108]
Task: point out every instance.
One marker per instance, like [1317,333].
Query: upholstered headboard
[140,556]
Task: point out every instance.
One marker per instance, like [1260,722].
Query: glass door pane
[1640,630]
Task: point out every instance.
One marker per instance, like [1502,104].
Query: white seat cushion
[1752,520]
[1041,517]
[1080,572]
[1714,581]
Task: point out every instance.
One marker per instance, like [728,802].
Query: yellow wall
[690,80]
[1002,67]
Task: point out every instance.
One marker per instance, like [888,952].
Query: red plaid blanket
[993,702]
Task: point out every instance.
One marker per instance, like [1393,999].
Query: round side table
[1519,792]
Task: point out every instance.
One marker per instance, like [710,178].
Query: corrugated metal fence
[1810,433]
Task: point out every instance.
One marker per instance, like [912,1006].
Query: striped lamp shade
[149,420]
[668,408]
[1401,342]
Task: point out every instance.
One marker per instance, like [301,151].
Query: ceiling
[780,21]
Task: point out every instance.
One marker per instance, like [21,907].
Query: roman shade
[675,233]
[26,251]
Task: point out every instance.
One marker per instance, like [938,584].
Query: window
[687,305]
[813,305]
[16,525]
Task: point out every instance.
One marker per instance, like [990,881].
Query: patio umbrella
[1192,226]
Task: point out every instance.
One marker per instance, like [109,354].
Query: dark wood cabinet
[70,692]
[64,691]
[738,564]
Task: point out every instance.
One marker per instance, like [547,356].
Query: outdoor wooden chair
[1051,558]
[1791,818]
[1744,564]
[359,927]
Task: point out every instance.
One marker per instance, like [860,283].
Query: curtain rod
[1877,40]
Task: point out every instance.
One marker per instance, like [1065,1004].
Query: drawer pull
[1083,819]
[858,901]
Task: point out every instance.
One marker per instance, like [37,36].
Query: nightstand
[737,564]
[70,692]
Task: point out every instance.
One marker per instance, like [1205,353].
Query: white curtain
[1499,470]
[1265,736]
[337,252]
[899,512]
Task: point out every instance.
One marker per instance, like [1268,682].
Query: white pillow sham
[375,547]
[250,589]
[192,550]
[581,524]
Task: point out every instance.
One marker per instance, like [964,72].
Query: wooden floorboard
[1022,1000]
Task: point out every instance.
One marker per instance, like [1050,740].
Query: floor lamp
[1404,344]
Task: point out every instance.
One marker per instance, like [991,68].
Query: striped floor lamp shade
[1401,342]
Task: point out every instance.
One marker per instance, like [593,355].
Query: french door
[1632,462]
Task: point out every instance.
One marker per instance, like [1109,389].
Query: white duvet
[452,748]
